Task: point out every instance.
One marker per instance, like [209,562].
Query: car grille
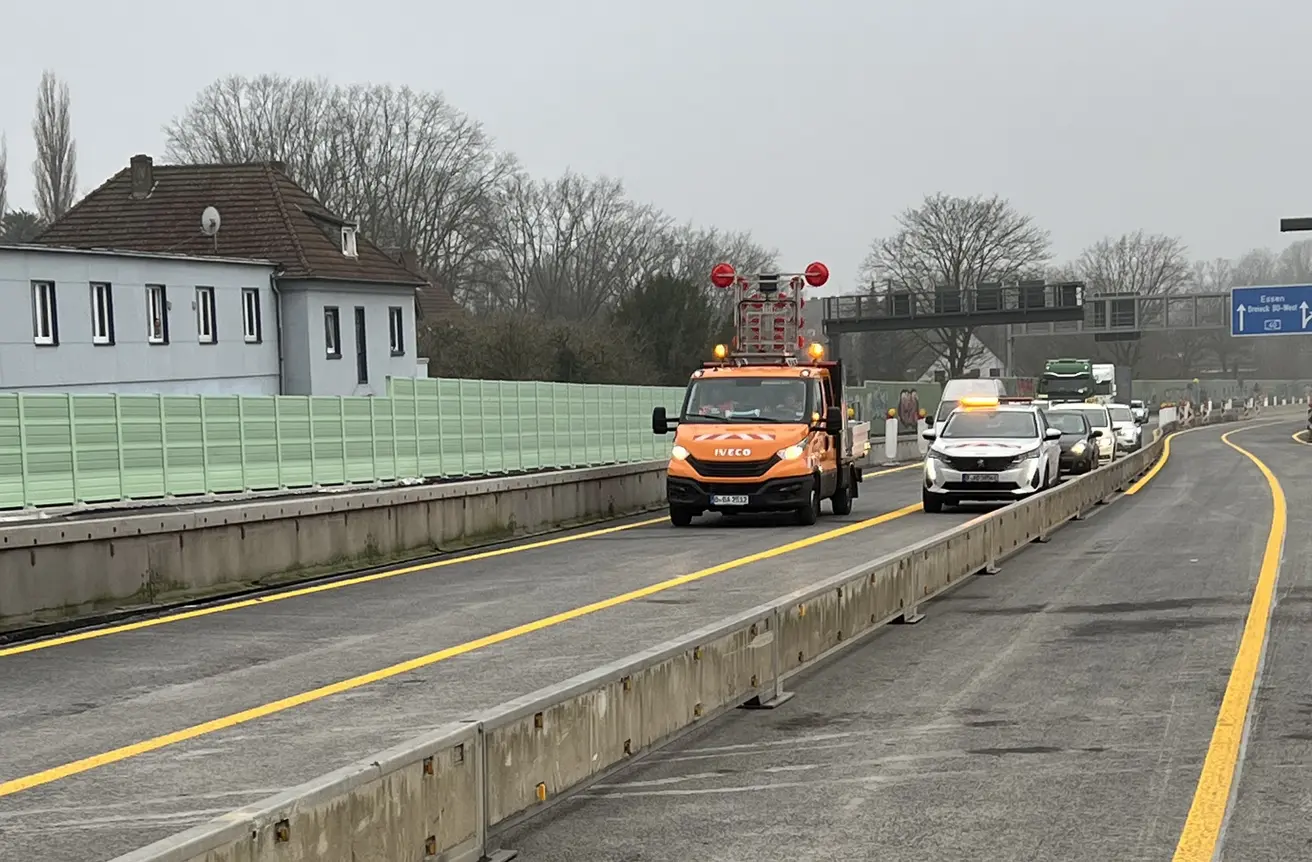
[981,488]
[732,469]
[966,464]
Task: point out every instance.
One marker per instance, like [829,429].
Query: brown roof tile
[434,301]
[265,215]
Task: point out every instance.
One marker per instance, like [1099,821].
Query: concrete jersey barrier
[111,564]
[67,569]
[447,795]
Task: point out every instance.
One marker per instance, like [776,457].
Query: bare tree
[418,174]
[1296,263]
[957,243]
[1138,263]
[568,248]
[1134,263]
[4,176]
[692,252]
[55,167]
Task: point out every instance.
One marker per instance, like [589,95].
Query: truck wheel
[680,517]
[810,513]
[841,502]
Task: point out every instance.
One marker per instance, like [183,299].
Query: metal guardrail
[447,795]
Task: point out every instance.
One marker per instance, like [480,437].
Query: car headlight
[935,455]
[678,453]
[1028,456]
[793,452]
[1078,448]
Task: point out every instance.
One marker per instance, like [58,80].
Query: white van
[965,387]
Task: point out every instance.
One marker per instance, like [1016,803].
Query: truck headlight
[678,453]
[793,452]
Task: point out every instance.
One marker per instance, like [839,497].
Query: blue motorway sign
[1280,310]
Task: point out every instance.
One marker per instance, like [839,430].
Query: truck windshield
[747,399]
[991,423]
[1066,387]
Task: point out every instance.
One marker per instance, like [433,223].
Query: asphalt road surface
[120,692]
[1060,710]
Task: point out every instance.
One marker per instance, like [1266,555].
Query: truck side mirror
[834,421]
[660,424]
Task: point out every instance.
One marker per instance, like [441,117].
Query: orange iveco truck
[762,427]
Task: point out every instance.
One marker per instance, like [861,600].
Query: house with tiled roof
[334,312]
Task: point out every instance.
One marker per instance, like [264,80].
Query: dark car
[1079,452]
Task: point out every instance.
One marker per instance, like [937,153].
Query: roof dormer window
[348,241]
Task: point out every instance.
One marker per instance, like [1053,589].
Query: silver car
[1140,411]
[987,450]
[1129,433]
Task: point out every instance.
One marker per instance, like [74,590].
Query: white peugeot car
[1101,419]
[987,450]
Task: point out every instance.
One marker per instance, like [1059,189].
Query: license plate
[979,477]
[729,500]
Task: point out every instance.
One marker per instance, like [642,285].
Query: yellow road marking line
[1161,462]
[311,590]
[888,470]
[1207,814]
[297,592]
[75,767]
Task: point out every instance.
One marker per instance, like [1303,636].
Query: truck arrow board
[1271,310]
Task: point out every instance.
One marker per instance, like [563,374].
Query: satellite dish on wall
[210,221]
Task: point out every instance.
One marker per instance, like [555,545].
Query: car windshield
[1068,422]
[746,399]
[1136,405]
[1097,416]
[1012,424]
[1121,414]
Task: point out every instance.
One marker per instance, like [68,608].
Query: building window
[332,333]
[348,242]
[396,330]
[102,313]
[361,348]
[251,324]
[206,327]
[45,313]
[157,314]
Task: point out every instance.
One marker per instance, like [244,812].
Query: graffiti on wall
[908,411]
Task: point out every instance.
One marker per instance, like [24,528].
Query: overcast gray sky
[809,122]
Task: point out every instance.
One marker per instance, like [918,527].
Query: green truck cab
[1066,380]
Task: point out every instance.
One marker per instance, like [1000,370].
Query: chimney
[143,176]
